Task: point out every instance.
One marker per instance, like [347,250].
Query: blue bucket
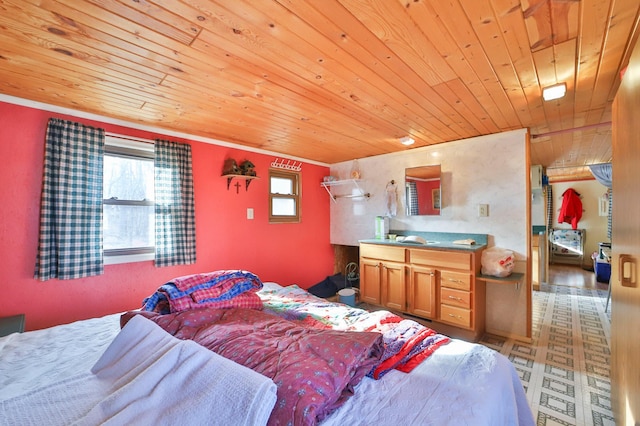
[347,296]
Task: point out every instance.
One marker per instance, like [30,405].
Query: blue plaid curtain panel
[549,207]
[70,241]
[609,215]
[412,199]
[174,208]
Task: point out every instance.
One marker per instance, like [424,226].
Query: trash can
[347,296]
[603,272]
[601,265]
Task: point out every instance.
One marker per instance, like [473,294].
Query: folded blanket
[315,370]
[219,289]
[148,377]
[406,342]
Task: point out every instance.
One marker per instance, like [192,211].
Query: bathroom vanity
[435,281]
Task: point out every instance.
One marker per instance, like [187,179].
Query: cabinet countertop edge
[443,245]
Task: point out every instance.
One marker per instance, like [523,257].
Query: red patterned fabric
[219,289]
[315,370]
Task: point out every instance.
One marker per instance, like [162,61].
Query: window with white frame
[128,205]
[284,196]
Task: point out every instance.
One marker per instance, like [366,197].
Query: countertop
[438,241]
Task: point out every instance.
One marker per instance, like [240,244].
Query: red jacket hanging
[571,210]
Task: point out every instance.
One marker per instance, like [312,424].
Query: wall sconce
[407,141]
[556,91]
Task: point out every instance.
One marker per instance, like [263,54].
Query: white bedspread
[460,384]
[146,376]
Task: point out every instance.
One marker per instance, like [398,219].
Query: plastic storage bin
[603,271]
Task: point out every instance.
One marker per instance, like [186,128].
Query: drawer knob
[455,298]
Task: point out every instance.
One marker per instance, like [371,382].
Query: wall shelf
[514,278]
[246,178]
[350,182]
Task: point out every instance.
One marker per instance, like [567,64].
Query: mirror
[422,190]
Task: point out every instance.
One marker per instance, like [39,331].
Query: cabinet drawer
[374,251]
[457,280]
[441,259]
[457,316]
[455,297]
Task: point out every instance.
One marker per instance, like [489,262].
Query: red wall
[425,189]
[226,239]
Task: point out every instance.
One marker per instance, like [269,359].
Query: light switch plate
[483,210]
[249,213]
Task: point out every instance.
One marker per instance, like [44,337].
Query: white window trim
[128,258]
[127,142]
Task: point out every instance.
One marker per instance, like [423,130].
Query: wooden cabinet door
[422,292]
[394,286]
[625,247]
[370,281]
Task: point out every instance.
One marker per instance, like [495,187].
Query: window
[284,196]
[128,205]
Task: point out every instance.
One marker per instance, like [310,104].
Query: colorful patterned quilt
[218,289]
[315,370]
[406,342]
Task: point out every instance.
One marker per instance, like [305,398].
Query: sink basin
[418,243]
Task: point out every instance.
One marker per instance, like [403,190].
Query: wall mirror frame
[423,191]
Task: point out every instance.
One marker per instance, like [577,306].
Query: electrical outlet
[483,210]
[249,213]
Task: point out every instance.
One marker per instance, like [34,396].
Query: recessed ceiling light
[554,92]
[407,141]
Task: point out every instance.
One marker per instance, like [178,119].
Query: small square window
[284,196]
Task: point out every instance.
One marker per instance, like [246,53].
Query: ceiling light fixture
[556,91]
[407,141]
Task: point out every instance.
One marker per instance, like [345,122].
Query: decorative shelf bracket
[246,178]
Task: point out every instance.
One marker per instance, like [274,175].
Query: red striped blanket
[218,289]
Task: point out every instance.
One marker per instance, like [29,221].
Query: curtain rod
[573,167]
[128,138]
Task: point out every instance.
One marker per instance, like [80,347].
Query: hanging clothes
[571,210]
[391,199]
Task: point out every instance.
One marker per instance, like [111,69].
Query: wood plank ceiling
[332,80]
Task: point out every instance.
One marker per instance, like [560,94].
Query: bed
[94,372]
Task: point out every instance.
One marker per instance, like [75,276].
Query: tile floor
[565,369]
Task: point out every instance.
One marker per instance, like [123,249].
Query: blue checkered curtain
[609,214]
[70,242]
[604,174]
[175,211]
[549,207]
[412,199]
